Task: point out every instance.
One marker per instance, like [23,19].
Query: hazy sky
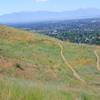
[9,6]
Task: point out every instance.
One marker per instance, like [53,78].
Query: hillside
[47,68]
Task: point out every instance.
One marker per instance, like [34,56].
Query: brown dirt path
[60,44]
[97,60]
[76,75]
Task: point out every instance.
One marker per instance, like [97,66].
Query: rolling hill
[38,67]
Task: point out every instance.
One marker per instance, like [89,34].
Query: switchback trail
[67,63]
[97,60]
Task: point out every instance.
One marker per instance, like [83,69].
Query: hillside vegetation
[38,67]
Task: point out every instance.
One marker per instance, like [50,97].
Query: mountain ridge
[36,16]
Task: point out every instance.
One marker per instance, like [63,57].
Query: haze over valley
[36,16]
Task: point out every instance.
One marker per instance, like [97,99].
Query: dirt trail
[60,44]
[67,63]
[97,60]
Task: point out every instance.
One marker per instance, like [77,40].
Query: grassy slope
[44,74]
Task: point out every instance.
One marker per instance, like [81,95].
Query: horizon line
[49,11]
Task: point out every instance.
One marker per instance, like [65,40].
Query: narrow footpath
[97,60]
[76,75]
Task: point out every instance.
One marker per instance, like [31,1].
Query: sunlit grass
[44,75]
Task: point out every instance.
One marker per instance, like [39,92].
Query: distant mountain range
[21,17]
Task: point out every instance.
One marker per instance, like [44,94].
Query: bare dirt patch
[6,63]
